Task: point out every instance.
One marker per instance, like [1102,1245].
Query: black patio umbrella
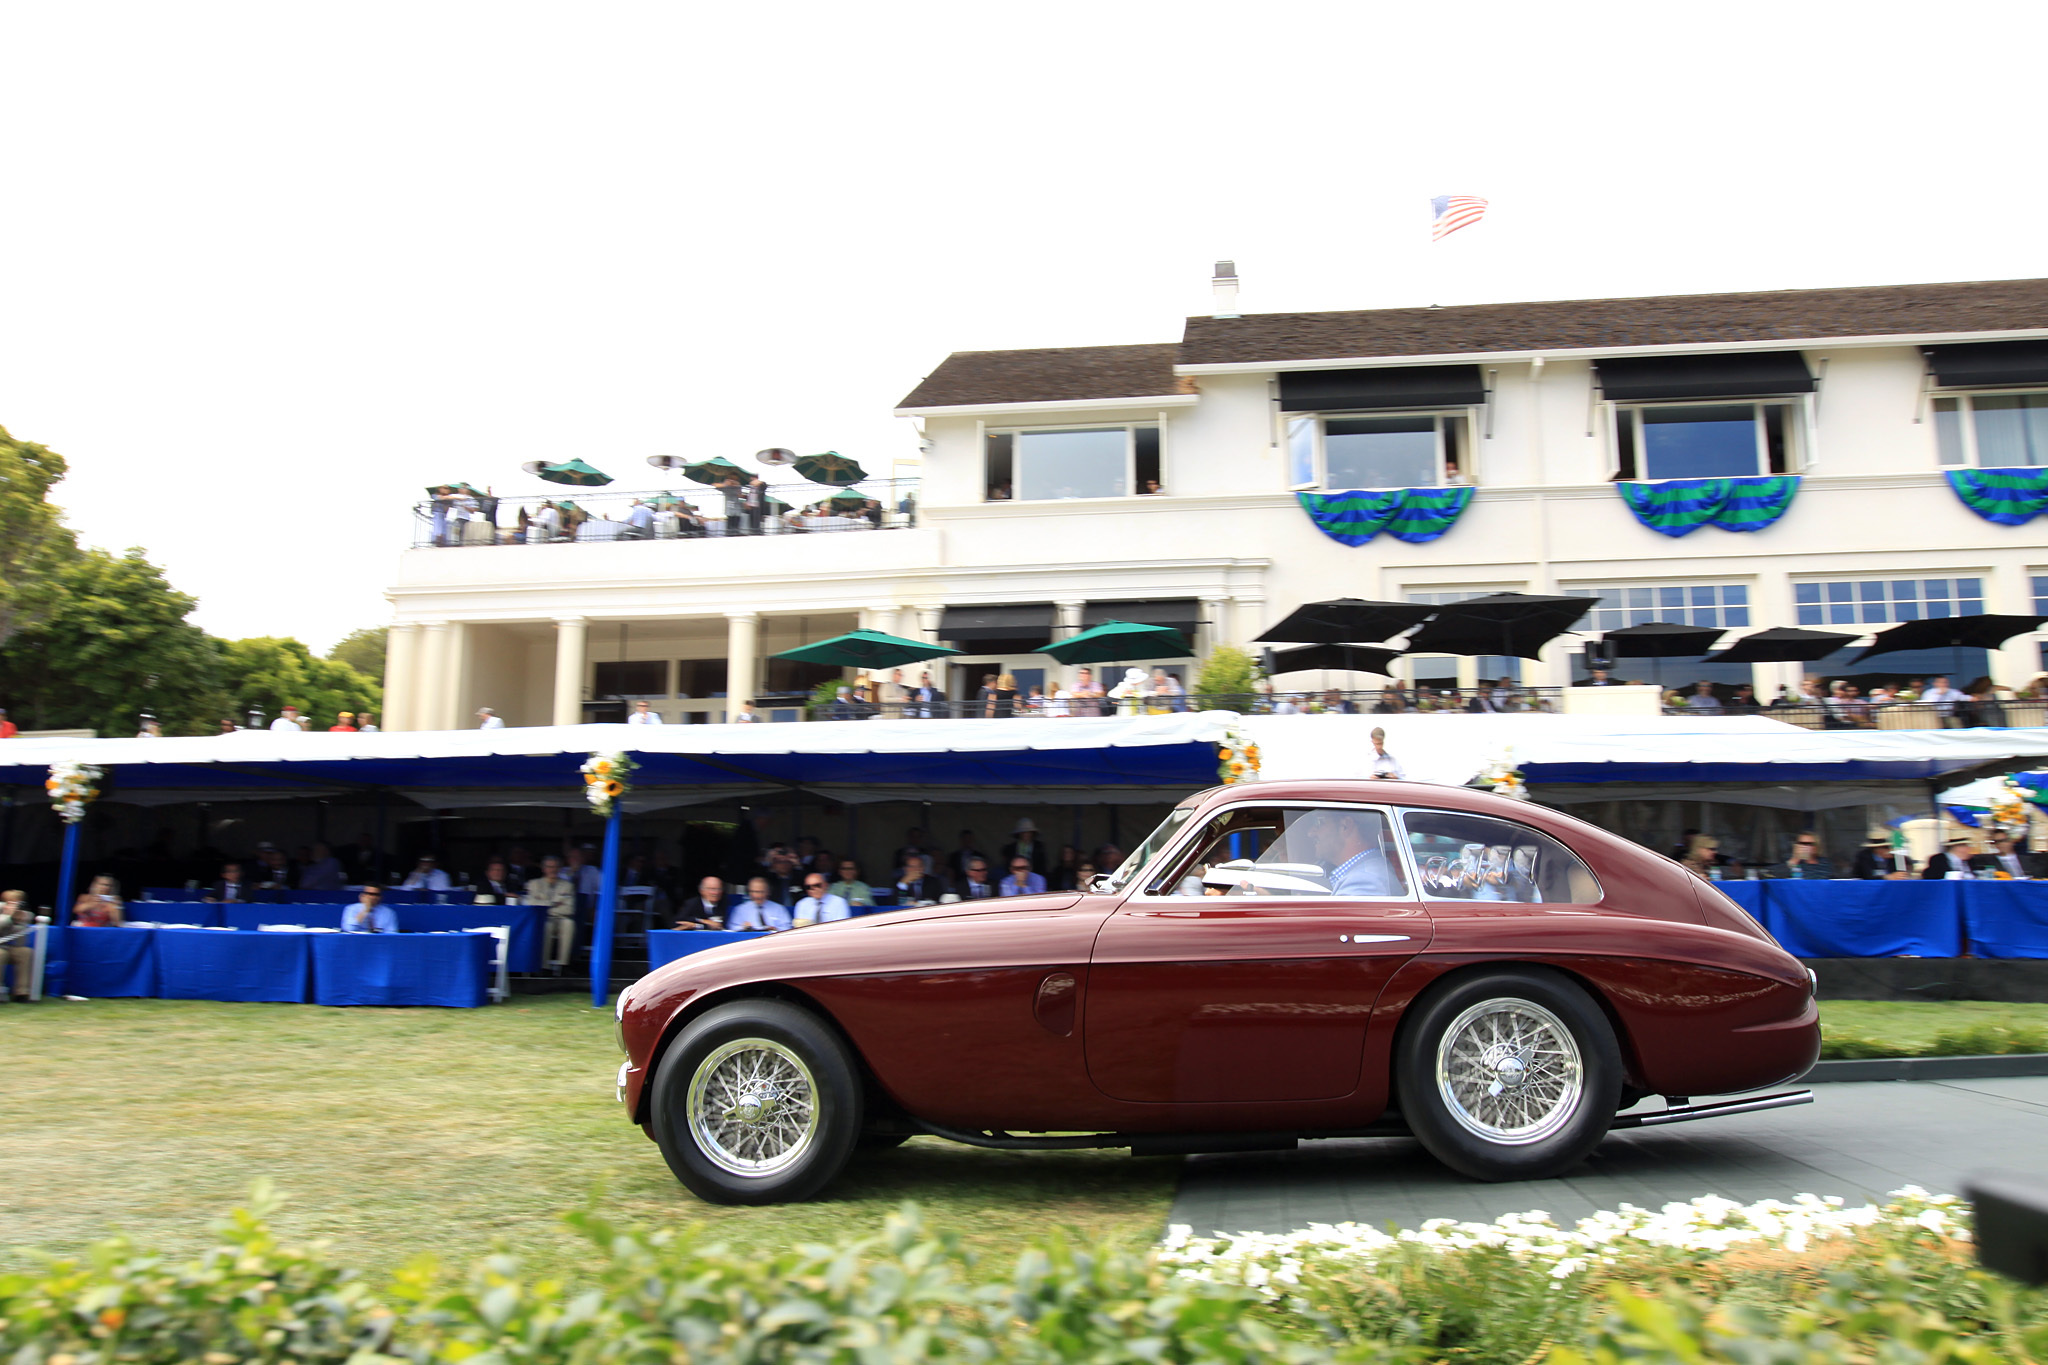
[1951,632]
[1782,645]
[1357,658]
[1660,640]
[1515,625]
[1344,620]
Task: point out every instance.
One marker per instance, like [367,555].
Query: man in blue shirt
[757,911]
[1347,843]
[1022,881]
[369,915]
[819,905]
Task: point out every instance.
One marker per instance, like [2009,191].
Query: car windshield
[1147,851]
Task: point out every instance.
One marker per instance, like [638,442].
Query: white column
[461,708]
[401,676]
[2018,662]
[430,705]
[742,645]
[928,619]
[1215,627]
[1067,624]
[572,634]
[883,619]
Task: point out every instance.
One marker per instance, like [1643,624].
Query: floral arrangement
[71,785]
[604,780]
[1504,777]
[1237,758]
[1273,1263]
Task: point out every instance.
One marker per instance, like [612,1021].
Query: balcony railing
[1898,715]
[580,516]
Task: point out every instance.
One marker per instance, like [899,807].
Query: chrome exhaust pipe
[1685,1113]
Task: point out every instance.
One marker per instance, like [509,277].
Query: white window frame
[1983,577]
[1966,411]
[1799,444]
[1130,430]
[1321,482]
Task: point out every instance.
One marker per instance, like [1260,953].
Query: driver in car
[1346,843]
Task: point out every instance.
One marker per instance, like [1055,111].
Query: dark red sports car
[1276,962]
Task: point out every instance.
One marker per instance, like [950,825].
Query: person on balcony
[1946,702]
[1087,693]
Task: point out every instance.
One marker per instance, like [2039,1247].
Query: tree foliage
[363,650]
[33,538]
[269,672]
[1228,671]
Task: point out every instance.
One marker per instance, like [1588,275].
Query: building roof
[1056,374]
[1593,324]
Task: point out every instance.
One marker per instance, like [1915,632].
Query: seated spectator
[1703,701]
[850,887]
[1805,862]
[977,886]
[426,875]
[557,895]
[272,872]
[322,871]
[1953,862]
[1022,881]
[498,886]
[1744,702]
[2006,858]
[644,714]
[1084,876]
[17,941]
[230,888]
[757,912]
[819,906]
[915,886]
[369,915]
[1391,700]
[706,909]
[1877,860]
[1065,873]
[956,861]
[100,906]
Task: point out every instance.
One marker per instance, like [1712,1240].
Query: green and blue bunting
[2010,496]
[1678,507]
[1416,515]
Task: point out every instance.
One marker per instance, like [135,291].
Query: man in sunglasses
[369,915]
[1022,881]
[819,905]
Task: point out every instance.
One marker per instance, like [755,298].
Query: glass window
[1073,464]
[1698,604]
[1301,452]
[1479,858]
[1871,601]
[1948,431]
[1291,851]
[631,679]
[1380,452]
[1698,443]
[1994,429]
[2040,594]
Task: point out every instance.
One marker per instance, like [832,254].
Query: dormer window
[1397,427]
[1042,464]
[1674,417]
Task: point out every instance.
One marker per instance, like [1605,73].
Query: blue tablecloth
[522,948]
[402,969]
[2005,919]
[345,896]
[104,964]
[200,964]
[666,945]
[1866,919]
[174,912]
[1748,895]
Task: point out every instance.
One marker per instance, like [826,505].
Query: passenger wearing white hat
[1025,845]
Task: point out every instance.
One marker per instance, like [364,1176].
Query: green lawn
[394,1130]
[1951,1026]
[390,1131]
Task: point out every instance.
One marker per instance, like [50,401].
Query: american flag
[1454,211]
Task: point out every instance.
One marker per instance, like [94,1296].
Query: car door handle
[1372,938]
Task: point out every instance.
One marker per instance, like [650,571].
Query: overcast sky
[266,270]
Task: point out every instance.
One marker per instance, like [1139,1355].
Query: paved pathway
[1857,1140]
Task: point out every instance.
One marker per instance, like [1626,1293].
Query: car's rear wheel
[756,1102]
[1511,1075]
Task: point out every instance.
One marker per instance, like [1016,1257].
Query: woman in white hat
[1025,844]
[1129,694]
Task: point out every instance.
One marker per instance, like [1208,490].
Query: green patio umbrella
[572,472]
[434,488]
[831,467]
[713,471]
[847,502]
[866,649]
[1116,641]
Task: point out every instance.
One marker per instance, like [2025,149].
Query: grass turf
[396,1131]
[1901,1028]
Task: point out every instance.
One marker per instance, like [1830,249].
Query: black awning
[1394,386]
[1749,374]
[1176,613]
[1988,364]
[1026,620]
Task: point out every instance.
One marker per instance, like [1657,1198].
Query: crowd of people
[1987,855]
[740,505]
[1841,704]
[892,697]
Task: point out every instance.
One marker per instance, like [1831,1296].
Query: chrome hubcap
[753,1107]
[1509,1071]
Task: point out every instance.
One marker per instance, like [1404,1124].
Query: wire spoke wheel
[753,1107]
[1509,1071]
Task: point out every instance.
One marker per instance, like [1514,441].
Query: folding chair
[501,991]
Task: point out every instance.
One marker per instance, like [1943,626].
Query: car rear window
[1479,858]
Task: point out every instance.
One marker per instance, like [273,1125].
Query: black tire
[1530,1076]
[732,1061]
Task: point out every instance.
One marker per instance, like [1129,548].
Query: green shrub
[1227,672]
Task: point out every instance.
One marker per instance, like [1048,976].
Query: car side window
[1480,858]
[1294,851]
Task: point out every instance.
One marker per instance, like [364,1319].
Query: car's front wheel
[1509,1075]
[757,1102]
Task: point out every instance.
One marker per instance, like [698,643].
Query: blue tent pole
[67,872]
[607,911]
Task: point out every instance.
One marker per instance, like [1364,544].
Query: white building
[1869,396]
